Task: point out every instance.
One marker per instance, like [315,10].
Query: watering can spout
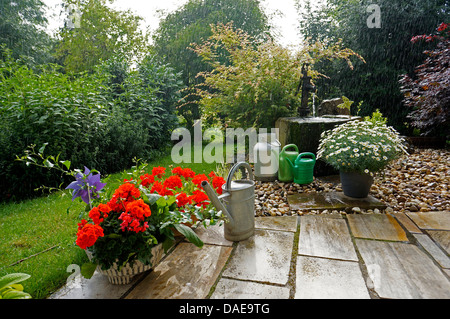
[215,200]
[290,163]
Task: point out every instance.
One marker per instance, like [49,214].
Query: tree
[22,25]
[191,24]
[428,93]
[101,33]
[387,50]
[258,82]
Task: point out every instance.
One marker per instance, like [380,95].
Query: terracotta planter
[356,185]
[127,273]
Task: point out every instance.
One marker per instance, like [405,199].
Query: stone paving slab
[98,287]
[402,271]
[331,201]
[321,236]
[442,237]
[431,220]
[437,254]
[237,289]
[284,223]
[264,257]
[187,273]
[319,278]
[376,226]
[213,235]
[406,222]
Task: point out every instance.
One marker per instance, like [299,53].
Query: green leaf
[14,294]
[189,234]
[41,150]
[161,202]
[88,269]
[11,279]
[48,164]
[167,244]
[153,198]
[66,164]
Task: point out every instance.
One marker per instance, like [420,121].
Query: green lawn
[33,226]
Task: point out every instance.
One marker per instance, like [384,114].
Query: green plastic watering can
[303,168]
[285,168]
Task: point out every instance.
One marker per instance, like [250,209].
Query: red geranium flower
[198,179]
[217,183]
[158,171]
[123,195]
[98,214]
[135,213]
[173,182]
[183,199]
[199,198]
[147,180]
[88,234]
[188,173]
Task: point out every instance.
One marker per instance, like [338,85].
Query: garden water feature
[305,131]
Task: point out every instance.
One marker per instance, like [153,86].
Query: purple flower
[86,186]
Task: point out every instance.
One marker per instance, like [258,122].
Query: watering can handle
[289,146]
[234,169]
[307,154]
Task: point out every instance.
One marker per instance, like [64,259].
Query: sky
[284,15]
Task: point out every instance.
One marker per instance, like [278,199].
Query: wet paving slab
[331,201]
[321,278]
[376,226]
[403,271]
[299,257]
[322,236]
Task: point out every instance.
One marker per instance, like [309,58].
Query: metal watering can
[239,199]
[303,168]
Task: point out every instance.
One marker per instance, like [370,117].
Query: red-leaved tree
[428,93]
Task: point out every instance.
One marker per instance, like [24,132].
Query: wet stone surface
[265,257]
[331,201]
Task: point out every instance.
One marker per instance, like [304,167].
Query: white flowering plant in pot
[361,147]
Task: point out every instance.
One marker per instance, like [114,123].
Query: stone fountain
[305,130]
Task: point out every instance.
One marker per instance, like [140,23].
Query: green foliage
[258,83]
[149,96]
[191,24]
[387,50]
[376,118]
[100,120]
[102,32]
[10,287]
[48,107]
[22,26]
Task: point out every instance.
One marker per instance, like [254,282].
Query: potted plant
[359,149]
[128,232]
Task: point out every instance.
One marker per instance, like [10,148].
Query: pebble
[418,182]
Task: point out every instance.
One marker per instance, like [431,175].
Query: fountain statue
[305,130]
[307,87]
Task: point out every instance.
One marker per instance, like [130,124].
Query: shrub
[428,94]
[258,84]
[45,107]
[102,120]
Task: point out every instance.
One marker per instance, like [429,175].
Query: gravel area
[419,182]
